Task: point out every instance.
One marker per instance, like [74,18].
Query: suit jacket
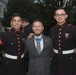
[28,30]
[39,64]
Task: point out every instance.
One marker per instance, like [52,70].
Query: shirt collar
[38,37]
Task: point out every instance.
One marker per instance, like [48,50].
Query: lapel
[44,44]
[33,46]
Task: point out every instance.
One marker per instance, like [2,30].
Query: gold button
[18,41]
[18,38]
[60,29]
[17,35]
[59,36]
[71,58]
[59,40]
[7,62]
[59,44]
[18,52]
[18,48]
[18,45]
[11,43]
[60,33]
[59,48]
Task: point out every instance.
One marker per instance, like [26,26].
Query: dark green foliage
[24,7]
[43,11]
[29,10]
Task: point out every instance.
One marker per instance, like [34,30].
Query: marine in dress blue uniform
[64,43]
[13,43]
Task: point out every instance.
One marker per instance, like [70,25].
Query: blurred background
[35,9]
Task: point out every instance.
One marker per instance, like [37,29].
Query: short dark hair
[25,20]
[37,20]
[15,14]
[61,9]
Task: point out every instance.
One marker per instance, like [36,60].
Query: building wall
[3,4]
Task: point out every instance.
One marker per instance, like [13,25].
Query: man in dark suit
[26,26]
[39,54]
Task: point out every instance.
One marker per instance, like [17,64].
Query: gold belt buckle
[18,56]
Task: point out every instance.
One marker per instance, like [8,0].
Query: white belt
[65,52]
[12,56]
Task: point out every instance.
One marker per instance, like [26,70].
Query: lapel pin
[12,43]
[45,40]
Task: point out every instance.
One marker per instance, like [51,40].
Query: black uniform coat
[64,38]
[39,64]
[12,43]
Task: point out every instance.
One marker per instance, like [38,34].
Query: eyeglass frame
[62,15]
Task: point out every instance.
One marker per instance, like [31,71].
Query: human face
[37,28]
[16,23]
[24,24]
[60,16]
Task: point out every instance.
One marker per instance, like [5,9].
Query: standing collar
[13,30]
[61,25]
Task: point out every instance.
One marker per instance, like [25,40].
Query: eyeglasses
[60,15]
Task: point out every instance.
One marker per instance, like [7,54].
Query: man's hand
[30,35]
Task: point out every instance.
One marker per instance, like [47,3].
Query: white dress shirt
[41,42]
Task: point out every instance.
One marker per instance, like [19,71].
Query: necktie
[38,45]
